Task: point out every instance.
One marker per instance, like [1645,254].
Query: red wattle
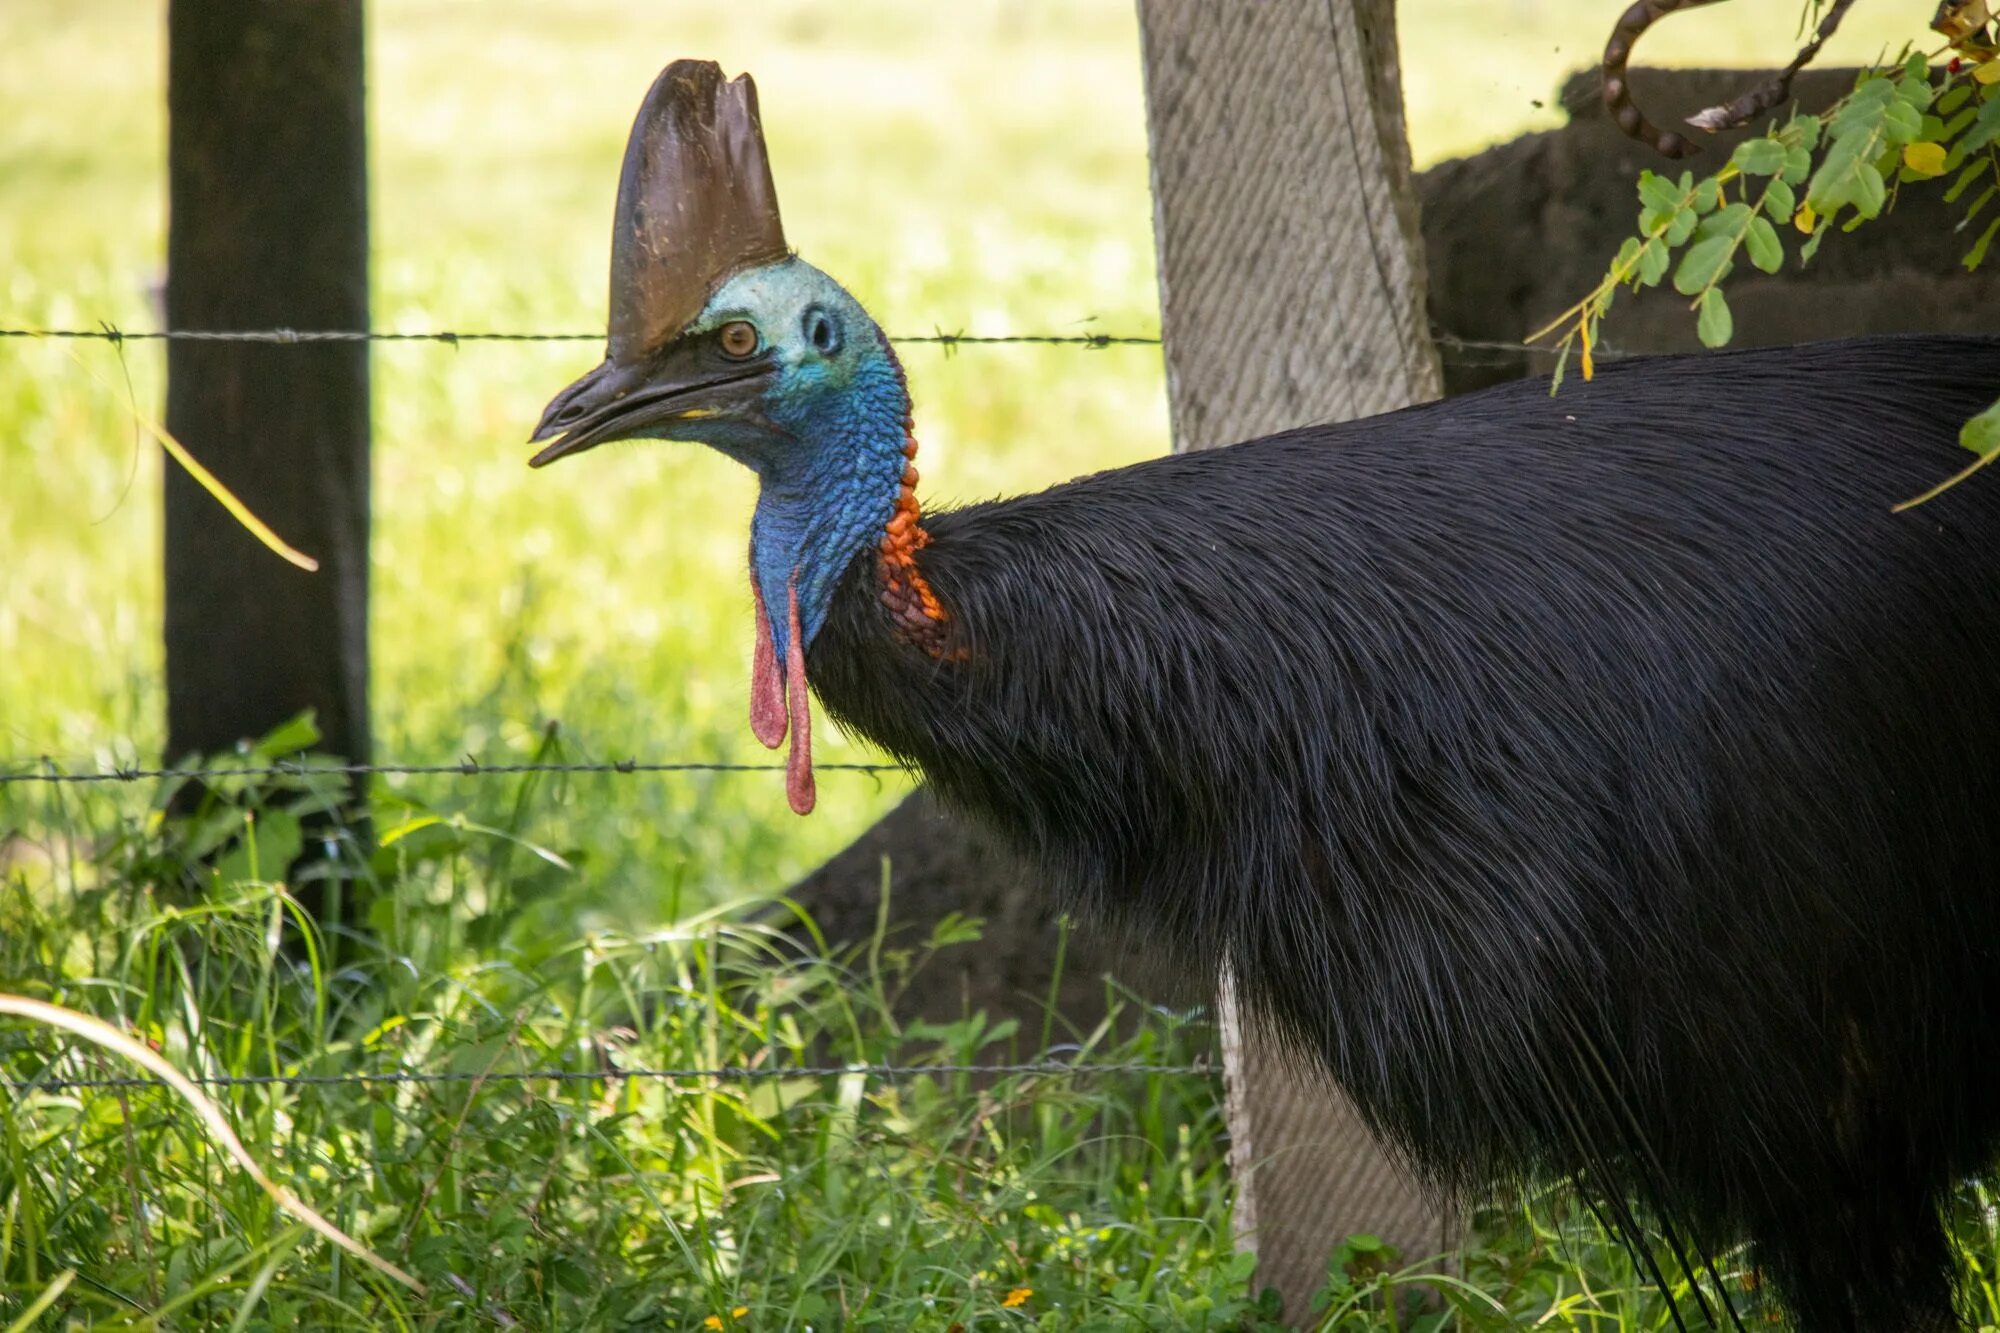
[799,763]
[767,687]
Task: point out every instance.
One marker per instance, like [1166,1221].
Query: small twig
[1767,95]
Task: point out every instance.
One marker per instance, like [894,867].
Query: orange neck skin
[917,612]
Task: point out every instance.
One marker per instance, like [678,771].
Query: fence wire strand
[111,333]
[46,770]
[300,337]
[725,1073]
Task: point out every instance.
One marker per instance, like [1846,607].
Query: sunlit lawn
[972,166]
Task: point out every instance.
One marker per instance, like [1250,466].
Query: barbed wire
[725,1073]
[299,337]
[19,771]
[107,332]
[46,770]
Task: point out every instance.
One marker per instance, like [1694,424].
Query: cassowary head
[719,334]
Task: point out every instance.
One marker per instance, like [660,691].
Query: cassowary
[1604,785]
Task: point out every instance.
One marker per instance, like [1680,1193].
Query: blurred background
[977,167]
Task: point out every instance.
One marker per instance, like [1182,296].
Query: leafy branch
[1896,128]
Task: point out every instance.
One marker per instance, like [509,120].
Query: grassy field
[978,166]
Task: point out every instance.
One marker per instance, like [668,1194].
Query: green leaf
[1978,206]
[1704,264]
[1977,254]
[1714,324]
[1729,222]
[1860,118]
[1966,179]
[291,737]
[1779,201]
[1902,123]
[1811,247]
[1627,259]
[1798,165]
[1953,99]
[1835,181]
[1657,193]
[1682,227]
[1801,132]
[1871,192]
[1917,76]
[1982,434]
[1869,96]
[1985,127]
[1653,261]
[1766,251]
[1759,157]
[1949,128]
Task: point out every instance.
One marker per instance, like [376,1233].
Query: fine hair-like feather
[1605,784]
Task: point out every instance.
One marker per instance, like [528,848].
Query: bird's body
[1602,785]
[1599,784]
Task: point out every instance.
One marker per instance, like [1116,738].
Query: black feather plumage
[1604,784]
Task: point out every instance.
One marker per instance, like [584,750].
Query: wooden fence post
[267,176]
[1291,290]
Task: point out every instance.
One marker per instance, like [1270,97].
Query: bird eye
[822,332]
[738,338]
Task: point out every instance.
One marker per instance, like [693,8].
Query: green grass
[973,166]
[851,1200]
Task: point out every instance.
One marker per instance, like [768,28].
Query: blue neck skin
[829,490]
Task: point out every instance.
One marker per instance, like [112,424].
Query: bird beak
[623,402]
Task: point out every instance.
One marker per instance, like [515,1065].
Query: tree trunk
[1291,290]
[267,172]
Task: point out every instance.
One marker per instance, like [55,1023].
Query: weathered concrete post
[1292,291]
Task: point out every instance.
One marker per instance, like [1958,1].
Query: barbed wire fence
[111,333]
[723,1073]
[44,769]
[49,771]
